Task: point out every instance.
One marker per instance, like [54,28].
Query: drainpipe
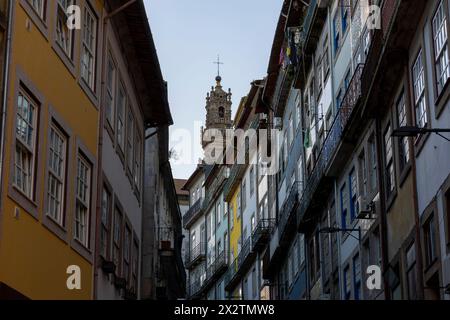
[100,158]
[383,211]
[5,94]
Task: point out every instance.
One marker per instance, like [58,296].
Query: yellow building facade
[235,225]
[235,232]
[48,197]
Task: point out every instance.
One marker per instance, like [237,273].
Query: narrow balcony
[214,271]
[236,172]
[194,289]
[194,212]
[319,183]
[246,256]
[286,224]
[262,232]
[389,49]
[240,265]
[232,277]
[195,255]
[282,89]
[312,24]
[220,264]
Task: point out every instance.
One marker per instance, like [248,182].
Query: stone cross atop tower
[218,107]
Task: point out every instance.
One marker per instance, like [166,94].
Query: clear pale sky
[189,34]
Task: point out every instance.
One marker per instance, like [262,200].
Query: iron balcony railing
[245,251]
[195,254]
[239,265]
[262,232]
[235,176]
[193,212]
[222,261]
[288,208]
[282,88]
[218,266]
[331,143]
[378,39]
[209,272]
[213,189]
[194,288]
[232,278]
[214,270]
[308,19]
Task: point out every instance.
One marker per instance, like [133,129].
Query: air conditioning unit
[364,208]
[278,123]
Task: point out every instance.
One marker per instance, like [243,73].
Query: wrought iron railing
[233,269]
[308,19]
[193,212]
[283,87]
[194,287]
[288,207]
[195,253]
[262,230]
[331,143]
[222,259]
[213,188]
[245,251]
[235,173]
[351,97]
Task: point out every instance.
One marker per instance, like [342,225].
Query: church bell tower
[218,108]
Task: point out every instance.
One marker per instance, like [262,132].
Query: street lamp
[412,131]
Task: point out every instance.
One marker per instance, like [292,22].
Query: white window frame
[440,46]
[89,47]
[420,103]
[56,174]
[39,7]
[26,140]
[117,238]
[127,240]
[130,140]
[402,122]
[83,201]
[105,218]
[389,159]
[111,86]
[64,36]
[121,116]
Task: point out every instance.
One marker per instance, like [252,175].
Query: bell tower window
[221,112]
